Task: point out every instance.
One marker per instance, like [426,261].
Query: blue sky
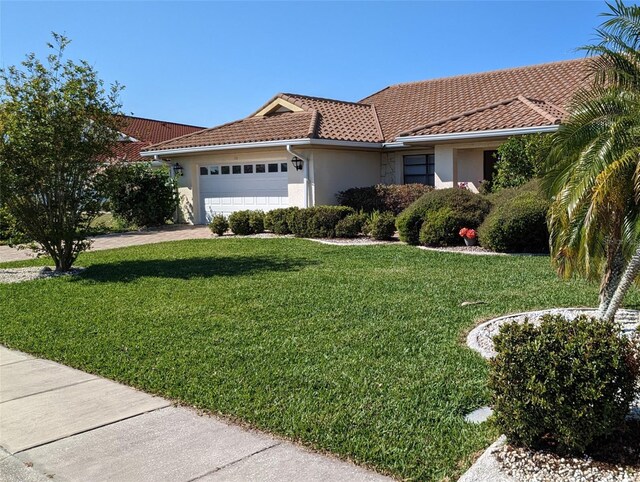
[206,63]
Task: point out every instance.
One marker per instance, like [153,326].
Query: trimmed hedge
[381,226]
[219,224]
[382,197]
[563,383]
[440,228]
[246,222]
[318,221]
[277,220]
[517,225]
[350,226]
[469,208]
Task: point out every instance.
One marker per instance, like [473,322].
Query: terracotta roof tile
[147,132]
[287,125]
[403,107]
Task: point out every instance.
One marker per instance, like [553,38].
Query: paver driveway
[121,240]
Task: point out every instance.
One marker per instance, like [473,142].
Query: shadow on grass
[188,268]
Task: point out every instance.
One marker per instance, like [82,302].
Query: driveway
[121,240]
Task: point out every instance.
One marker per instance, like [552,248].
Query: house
[137,133]
[299,150]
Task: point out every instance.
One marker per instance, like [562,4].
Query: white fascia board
[258,145]
[455,136]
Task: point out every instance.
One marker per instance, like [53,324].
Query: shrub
[277,220]
[350,226]
[256,222]
[240,224]
[517,224]
[219,224]
[318,221]
[520,159]
[382,197]
[381,226]
[139,194]
[470,210]
[440,228]
[563,383]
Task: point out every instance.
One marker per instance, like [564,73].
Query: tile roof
[147,132]
[501,99]
[403,107]
[507,114]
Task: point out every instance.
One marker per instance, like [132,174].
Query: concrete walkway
[57,423]
[121,240]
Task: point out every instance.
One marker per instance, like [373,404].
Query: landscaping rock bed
[480,338]
[18,275]
[363,241]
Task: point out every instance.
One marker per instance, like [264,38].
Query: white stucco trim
[454,136]
[257,145]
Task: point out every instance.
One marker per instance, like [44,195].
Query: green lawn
[352,350]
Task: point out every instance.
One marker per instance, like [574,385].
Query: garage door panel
[226,193]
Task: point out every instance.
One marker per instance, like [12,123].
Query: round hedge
[440,228]
[469,208]
[517,225]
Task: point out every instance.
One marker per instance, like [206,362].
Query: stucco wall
[337,170]
[470,167]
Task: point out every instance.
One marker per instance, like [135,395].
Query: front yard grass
[356,350]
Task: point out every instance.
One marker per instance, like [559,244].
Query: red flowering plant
[468,233]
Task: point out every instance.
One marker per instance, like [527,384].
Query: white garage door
[226,188]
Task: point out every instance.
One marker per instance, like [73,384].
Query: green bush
[277,221]
[440,228]
[350,226]
[381,226]
[219,224]
[139,194]
[520,159]
[318,221]
[518,224]
[240,223]
[470,210]
[10,233]
[256,222]
[382,197]
[564,383]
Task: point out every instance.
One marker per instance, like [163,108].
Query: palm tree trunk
[611,280]
[629,276]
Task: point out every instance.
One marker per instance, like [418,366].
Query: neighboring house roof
[139,133]
[530,96]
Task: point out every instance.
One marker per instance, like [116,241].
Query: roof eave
[263,144]
[456,136]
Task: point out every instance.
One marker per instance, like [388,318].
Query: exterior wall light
[177,169]
[297,163]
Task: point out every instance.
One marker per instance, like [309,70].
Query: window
[248,168]
[225,170]
[419,169]
[260,168]
[204,171]
[273,167]
[214,170]
[236,169]
[283,167]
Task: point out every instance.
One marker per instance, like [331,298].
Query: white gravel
[18,275]
[361,241]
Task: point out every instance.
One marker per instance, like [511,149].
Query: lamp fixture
[297,162]
[178,169]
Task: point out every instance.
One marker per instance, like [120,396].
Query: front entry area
[226,188]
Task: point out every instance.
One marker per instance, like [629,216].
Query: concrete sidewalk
[57,423]
[121,240]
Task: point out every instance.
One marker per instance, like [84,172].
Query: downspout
[305,175]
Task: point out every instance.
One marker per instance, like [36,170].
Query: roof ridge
[160,121]
[457,116]
[313,125]
[487,72]
[534,107]
[327,98]
[377,121]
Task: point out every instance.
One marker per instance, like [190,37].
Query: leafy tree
[57,126]
[520,159]
[594,174]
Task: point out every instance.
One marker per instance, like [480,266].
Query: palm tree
[595,174]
